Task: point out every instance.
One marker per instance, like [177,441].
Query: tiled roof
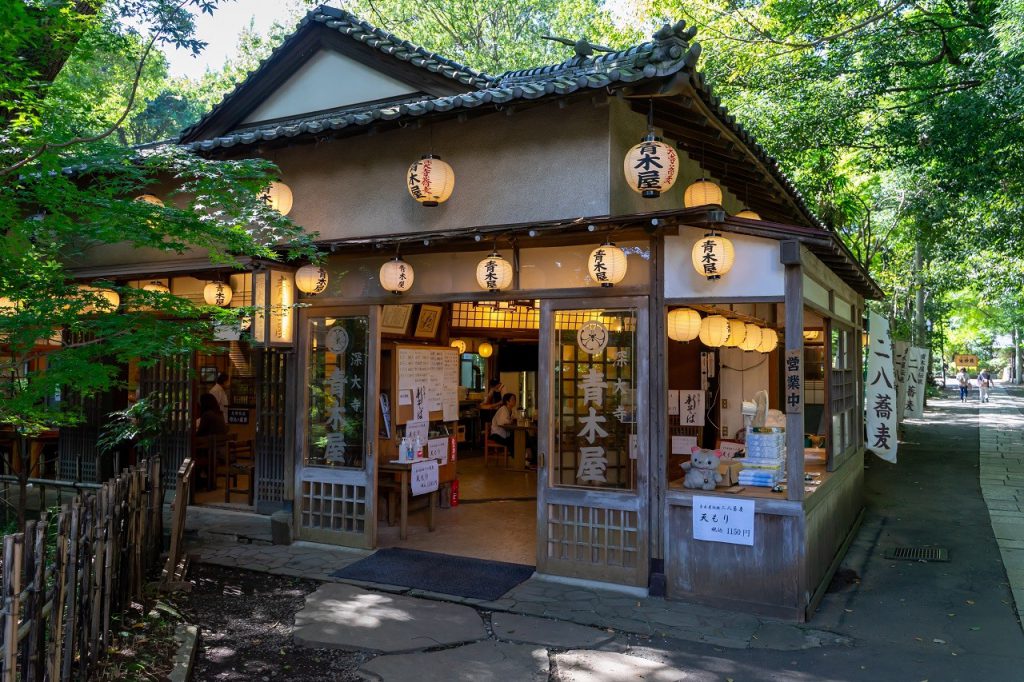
[352,26]
[669,53]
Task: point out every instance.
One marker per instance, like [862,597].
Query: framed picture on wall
[395,318]
[428,321]
[208,374]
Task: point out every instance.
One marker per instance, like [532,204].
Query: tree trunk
[1017,356]
[919,328]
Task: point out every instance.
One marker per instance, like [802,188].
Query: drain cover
[918,553]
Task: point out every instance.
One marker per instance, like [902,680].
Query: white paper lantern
[396,275]
[311,279]
[430,180]
[111,300]
[485,350]
[737,334]
[683,324]
[712,256]
[607,264]
[714,330]
[279,197]
[459,345]
[753,337]
[769,340]
[702,193]
[651,167]
[494,273]
[150,199]
[748,214]
[217,293]
[156,286]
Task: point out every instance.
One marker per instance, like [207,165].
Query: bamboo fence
[65,577]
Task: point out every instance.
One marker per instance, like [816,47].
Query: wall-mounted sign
[238,415]
[723,519]
[965,360]
[424,477]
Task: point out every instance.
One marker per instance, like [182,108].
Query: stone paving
[1001,472]
[242,541]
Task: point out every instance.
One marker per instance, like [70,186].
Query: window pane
[595,399]
[337,392]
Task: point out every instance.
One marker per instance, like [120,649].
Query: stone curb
[185,656]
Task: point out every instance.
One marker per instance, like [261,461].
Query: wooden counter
[796,546]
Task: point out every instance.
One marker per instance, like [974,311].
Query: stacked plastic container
[766,457]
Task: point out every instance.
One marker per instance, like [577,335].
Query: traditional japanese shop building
[636,309]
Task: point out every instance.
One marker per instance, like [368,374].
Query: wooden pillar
[794,351]
[658,411]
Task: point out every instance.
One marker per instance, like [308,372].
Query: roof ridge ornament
[582,47]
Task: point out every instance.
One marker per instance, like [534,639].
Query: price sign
[238,415]
[722,519]
[424,477]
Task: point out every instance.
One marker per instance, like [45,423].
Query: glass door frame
[351,478]
[621,504]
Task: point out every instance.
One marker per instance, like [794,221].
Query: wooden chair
[210,454]
[493,450]
[241,462]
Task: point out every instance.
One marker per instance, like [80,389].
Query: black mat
[456,575]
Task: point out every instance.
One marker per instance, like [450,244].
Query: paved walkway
[888,620]
[1001,453]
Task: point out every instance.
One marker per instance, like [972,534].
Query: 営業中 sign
[723,519]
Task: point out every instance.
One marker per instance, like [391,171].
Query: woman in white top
[504,418]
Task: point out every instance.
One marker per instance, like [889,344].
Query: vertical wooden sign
[794,381]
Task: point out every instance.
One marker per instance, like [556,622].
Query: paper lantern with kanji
[311,279]
[108,303]
[714,330]
[430,180]
[702,193]
[683,324]
[217,293]
[748,214]
[279,197]
[494,273]
[753,337]
[396,276]
[651,167]
[769,340]
[737,334]
[712,256]
[157,287]
[607,265]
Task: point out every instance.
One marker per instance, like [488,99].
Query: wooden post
[794,352]
[35,666]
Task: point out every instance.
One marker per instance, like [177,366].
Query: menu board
[431,376]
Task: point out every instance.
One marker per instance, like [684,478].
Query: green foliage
[67,195]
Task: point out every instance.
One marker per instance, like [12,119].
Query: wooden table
[402,472]
[519,435]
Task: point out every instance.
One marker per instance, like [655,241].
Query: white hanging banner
[899,365]
[880,393]
[917,368]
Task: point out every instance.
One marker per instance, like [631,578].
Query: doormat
[455,575]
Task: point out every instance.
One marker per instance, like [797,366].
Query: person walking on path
[965,383]
[984,384]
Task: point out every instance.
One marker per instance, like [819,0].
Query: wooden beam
[789,251]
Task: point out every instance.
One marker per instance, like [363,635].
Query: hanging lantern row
[717,331]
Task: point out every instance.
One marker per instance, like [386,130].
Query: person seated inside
[490,404]
[501,433]
[211,418]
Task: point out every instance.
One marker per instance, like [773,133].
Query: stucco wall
[538,164]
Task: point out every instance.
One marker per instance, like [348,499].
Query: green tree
[67,188]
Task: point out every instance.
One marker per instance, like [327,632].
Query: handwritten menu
[434,370]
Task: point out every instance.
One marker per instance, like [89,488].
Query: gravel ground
[245,620]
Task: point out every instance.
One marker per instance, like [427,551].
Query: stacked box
[766,457]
